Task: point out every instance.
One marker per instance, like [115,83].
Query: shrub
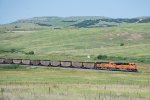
[101,56]
[9,50]
[16,27]
[30,53]
[13,50]
[122,44]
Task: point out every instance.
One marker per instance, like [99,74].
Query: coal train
[115,66]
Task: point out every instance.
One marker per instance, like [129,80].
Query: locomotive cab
[133,67]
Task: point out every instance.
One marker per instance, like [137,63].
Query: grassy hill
[76,22]
[74,39]
[126,42]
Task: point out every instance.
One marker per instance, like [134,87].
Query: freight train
[115,66]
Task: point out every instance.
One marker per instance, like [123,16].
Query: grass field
[78,43]
[75,44]
[73,84]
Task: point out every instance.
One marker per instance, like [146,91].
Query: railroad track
[70,64]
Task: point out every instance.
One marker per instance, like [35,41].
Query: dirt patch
[130,36]
[135,36]
[122,34]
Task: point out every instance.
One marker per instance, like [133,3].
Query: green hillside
[77,22]
[75,39]
[55,40]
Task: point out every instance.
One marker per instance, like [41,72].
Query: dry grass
[61,84]
[74,92]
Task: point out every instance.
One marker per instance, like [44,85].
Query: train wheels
[132,70]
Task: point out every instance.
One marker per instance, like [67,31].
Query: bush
[101,56]
[16,27]
[30,53]
[122,44]
[126,59]
[13,50]
[9,50]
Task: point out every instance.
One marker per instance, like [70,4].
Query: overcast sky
[12,10]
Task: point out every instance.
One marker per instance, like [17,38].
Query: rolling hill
[78,21]
[75,38]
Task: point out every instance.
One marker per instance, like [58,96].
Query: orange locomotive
[116,66]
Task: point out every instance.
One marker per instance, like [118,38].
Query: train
[112,66]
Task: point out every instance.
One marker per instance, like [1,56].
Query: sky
[12,10]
